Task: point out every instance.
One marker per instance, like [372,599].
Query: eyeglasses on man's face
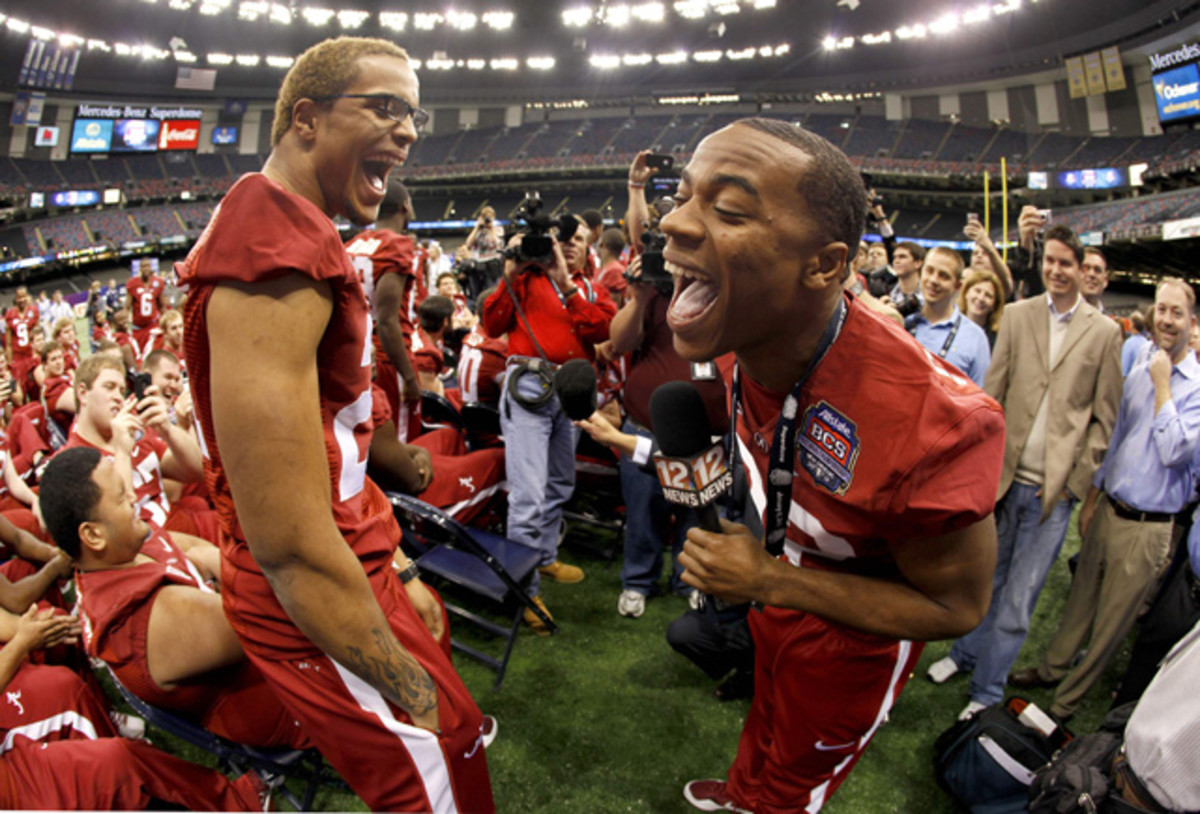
[394,107]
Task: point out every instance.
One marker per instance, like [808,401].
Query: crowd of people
[909,432]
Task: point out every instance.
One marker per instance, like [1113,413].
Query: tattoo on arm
[395,672]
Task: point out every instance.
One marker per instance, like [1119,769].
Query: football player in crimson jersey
[117,425]
[481,363]
[167,336]
[307,580]
[145,293]
[386,259]
[882,507]
[19,322]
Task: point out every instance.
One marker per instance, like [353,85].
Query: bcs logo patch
[828,447]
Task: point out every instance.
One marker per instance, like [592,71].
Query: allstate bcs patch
[828,447]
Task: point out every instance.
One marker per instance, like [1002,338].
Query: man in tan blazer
[1056,370]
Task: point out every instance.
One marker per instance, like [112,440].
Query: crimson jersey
[144,297]
[20,325]
[481,366]
[158,341]
[103,333]
[292,235]
[115,605]
[906,447]
[152,502]
[377,252]
[426,353]
[126,339]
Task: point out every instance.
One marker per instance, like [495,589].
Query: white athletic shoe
[696,600]
[970,709]
[128,726]
[941,670]
[631,604]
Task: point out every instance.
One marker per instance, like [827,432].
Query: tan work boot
[536,624]
[559,571]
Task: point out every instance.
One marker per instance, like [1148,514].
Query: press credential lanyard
[780,472]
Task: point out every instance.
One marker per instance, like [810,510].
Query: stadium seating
[112,226]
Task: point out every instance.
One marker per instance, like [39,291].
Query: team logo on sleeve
[828,447]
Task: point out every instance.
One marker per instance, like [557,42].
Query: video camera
[537,242]
[654,271]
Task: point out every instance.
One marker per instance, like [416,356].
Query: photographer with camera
[552,314]
[481,267]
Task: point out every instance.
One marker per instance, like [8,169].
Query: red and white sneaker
[710,795]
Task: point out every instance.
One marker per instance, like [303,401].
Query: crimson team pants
[388,762]
[820,692]
[114,774]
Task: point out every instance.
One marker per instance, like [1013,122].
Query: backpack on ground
[988,761]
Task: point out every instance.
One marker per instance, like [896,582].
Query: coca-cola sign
[179,135]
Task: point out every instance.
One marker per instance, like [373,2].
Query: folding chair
[482,423]
[477,562]
[597,502]
[438,412]
[271,763]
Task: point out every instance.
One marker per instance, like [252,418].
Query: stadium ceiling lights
[606,62]
[621,14]
[943,25]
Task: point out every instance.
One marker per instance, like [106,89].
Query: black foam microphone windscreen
[681,424]
[575,384]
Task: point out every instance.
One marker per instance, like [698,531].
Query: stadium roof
[481,50]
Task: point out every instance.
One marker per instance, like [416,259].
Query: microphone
[575,384]
[692,470]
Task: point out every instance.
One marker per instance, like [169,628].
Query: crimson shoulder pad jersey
[892,444]
[261,232]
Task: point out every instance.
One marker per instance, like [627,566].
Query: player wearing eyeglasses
[278,344]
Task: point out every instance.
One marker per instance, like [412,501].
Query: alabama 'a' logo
[828,447]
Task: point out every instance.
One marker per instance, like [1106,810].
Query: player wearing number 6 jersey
[145,292]
[279,355]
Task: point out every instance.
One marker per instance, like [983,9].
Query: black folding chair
[476,562]
[438,412]
[482,424]
[273,764]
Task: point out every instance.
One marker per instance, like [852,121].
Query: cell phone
[973,217]
[138,382]
[660,161]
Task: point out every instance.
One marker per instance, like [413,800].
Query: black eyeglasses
[394,107]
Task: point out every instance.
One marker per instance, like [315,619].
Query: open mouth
[376,168]
[694,296]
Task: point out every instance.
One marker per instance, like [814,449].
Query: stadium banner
[45,136]
[1075,78]
[1114,71]
[1181,229]
[179,134]
[225,134]
[1094,69]
[20,109]
[91,136]
[135,135]
[37,103]
[195,78]
[1177,93]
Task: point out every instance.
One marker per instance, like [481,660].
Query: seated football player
[32,572]
[427,350]
[481,363]
[148,610]
[146,445]
[121,334]
[61,752]
[436,467]
[167,336]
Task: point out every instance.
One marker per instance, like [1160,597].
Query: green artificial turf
[605,717]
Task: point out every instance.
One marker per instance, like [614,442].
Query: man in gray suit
[1056,370]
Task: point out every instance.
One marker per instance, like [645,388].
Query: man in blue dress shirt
[940,326]
[1125,522]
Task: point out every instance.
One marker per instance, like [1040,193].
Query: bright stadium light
[616,16]
[16,26]
[349,18]
[635,60]
[281,14]
[220,59]
[504,64]
[979,14]
[393,20]
[540,63]
[649,12]
[317,16]
[280,62]
[707,56]
[604,61]
[248,60]
[829,43]
[426,21]
[185,56]
[498,20]
[577,17]
[476,64]
[461,20]
[672,58]
[42,33]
